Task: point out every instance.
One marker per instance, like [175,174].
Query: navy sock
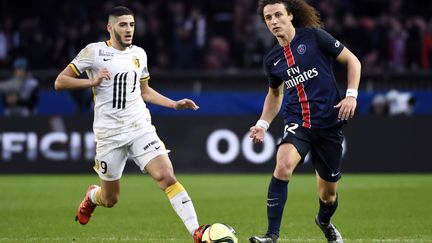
[326,211]
[276,198]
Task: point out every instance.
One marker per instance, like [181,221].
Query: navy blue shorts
[325,146]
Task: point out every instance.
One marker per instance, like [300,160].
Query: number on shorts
[291,127]
[104,167]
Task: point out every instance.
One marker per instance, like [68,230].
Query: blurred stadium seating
[218,46]
[212,51]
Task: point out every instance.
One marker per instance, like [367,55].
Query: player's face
[123,30]
[277,19]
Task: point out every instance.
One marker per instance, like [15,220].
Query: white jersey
[119,107]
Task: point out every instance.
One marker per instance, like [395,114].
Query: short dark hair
[119,11]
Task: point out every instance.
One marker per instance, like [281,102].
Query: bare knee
[285,168]
[164,179]
[328,196]
[283,171]
[287,159]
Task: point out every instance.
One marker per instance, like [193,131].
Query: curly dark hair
[304,14]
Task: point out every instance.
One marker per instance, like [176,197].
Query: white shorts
[113,152]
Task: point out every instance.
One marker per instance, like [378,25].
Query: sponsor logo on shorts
[151,144]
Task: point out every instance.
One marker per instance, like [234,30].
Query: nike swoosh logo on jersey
[275,63]
[335,174]
[107,59]
[156,148]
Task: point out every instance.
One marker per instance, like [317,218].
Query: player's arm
[150,95]
[271,107]
[68,79]
[348,105]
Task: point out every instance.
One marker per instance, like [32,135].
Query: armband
[262,123]
[352,93]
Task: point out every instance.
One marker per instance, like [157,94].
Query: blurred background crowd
[388,36]
[214,34]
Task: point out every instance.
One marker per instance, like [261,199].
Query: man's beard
[119,40]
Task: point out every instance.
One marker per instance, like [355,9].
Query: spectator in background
[379,105]
[400,103]
[393,103]
[397,43]
[426,53]
[21,91]
[9,39]
[218,55]
[415,27]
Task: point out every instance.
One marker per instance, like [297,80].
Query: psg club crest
[136,62]
[301,49]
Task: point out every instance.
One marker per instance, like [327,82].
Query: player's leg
[327,159]
[109,164]
[328,199]
[291,152]
[328,203]
[150,155]
[287,159]
[161,170]
[105,195]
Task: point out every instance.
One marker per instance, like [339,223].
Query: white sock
[93,195]
[184,208]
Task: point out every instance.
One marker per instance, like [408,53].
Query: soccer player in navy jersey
[300,66]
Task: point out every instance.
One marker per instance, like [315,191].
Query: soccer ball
[219,233]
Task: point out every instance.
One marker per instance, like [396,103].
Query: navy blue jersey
[305,67]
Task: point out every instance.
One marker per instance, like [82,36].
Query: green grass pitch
[372,208]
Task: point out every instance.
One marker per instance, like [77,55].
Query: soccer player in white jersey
[118,75]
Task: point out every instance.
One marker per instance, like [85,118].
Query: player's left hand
[346,107]
[185,104]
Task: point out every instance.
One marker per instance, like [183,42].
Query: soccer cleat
[198,233]
[330,232]
[86,207]
[267,238]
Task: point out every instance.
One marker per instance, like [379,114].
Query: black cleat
[267,238]
[330,232]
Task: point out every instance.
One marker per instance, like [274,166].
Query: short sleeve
[327,43]
[83,61]
[145,75]
[273,81]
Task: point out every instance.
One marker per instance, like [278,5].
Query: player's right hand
[257,134]
[100,76]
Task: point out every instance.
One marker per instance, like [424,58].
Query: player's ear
[290,16]
[109,27]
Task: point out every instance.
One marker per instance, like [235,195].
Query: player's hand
[100,76]
[257,134]
[346,107]
[185,104]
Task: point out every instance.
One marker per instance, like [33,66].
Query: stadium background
[211,51]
